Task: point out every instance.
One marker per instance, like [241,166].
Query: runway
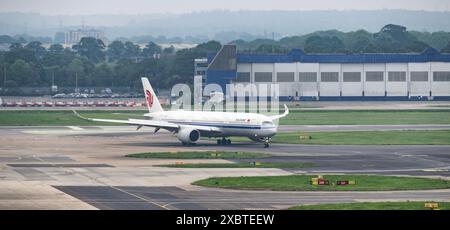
[85,168]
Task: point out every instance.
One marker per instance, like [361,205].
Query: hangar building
[301,76]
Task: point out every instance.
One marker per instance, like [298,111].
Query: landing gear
[223,141]
[266,142]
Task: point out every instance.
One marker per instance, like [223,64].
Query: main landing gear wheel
[266,142]
[223,141]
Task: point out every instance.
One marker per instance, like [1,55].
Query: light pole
[4,74]
[76,82]
[273,41]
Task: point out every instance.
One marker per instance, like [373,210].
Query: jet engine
[188,135]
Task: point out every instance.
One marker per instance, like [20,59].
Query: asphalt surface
[85,168]
[159,198]
[398,159]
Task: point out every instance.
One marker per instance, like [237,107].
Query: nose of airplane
[274,130]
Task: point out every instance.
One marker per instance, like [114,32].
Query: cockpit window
[267,123]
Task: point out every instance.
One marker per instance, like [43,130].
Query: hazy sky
[54,7]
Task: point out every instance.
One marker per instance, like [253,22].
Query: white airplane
[189,126]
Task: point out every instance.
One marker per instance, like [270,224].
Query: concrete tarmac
[85,168]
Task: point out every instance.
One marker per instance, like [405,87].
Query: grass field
[410,205]
[61,118]
[366,117]
[199,155]
[282,165]
[317,117]
[422,137]
[302,183]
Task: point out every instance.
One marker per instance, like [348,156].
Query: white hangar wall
[368,80]
[440,87]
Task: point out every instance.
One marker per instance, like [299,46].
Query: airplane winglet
[286,112]
[79,116]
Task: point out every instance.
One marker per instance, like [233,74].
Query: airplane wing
[205,129]
[150,123]
[139,122]
[286,112]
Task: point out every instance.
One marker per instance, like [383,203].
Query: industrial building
[301,76]
[200,67]
[74,36]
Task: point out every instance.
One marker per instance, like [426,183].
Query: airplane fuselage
[250,125]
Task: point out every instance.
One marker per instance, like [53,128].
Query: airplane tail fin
[152,101]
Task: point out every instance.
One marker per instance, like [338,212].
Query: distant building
[302,76]
[74,36]
[60,38]
[200,67]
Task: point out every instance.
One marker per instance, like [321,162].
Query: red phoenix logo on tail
[149,97]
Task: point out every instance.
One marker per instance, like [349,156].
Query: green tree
[51,74]
[91,48]
[437,40]
[416,46]
[21,40]
[132,51]
[4,70]
[271,49]
[207,47]
[446,49]
[169,50]
[359,41]
[396,39]
[54,66]
[116,50]
[5,39]
[314,44]
[335,44]
[56,48]
[22,73]
[75,73]
[17,51]
[37,48]
[102,76]
[126,72]
[151,49]
[397,32]
[57,55]
[317,44]
[15,46]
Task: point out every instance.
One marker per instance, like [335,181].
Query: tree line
[91,63]
[390,39]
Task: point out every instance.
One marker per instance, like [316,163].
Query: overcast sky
[54,7]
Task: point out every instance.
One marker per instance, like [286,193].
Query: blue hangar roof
[297,55]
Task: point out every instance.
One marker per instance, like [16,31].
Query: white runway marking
[76,128]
